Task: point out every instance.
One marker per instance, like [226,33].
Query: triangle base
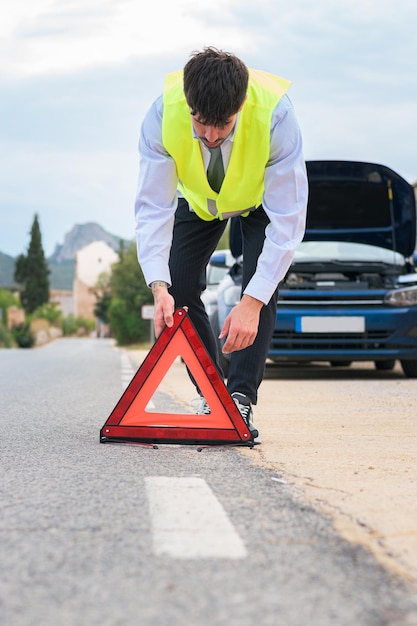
[172,434]
[202,439]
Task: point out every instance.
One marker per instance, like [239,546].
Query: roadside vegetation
[31,300]
[120,298]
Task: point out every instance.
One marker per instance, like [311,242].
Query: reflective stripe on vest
[243,185]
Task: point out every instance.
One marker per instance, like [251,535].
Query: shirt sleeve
[156,199]
[284,201]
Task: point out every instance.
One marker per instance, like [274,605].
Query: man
[216,112]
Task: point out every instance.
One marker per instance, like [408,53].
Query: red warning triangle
[130,421]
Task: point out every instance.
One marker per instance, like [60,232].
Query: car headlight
[402,297]
[232,295]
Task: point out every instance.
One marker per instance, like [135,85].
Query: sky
[77,77]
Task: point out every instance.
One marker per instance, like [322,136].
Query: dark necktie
[215,170]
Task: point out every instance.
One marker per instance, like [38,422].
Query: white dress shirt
[284,200]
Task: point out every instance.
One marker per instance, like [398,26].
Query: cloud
[71,35]
[65,189]
[77,76]
[71,146]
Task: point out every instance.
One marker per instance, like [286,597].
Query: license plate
[322,324]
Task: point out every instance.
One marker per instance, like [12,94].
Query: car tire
[223,360]
[409,368]
[385,366]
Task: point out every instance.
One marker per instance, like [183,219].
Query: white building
[90,262]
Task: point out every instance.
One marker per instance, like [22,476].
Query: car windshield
[216,274]
[345,252]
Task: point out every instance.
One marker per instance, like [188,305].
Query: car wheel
[223,360]
[385,366]
[410,368]
[340,363]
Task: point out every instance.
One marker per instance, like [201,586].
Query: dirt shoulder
[347,442]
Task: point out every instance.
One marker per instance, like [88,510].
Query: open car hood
[362,203]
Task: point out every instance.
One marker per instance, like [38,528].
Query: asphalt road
[124,535]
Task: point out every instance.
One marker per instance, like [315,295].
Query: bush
[23,336]
[72,325]
[7,299]
[129,293]
[49,311]
[126,323]
[6,337]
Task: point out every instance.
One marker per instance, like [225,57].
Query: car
[351,291]
[220,264]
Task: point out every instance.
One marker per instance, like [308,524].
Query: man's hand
[164,308]
[241,325]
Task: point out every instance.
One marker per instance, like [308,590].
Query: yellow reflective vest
[243,185]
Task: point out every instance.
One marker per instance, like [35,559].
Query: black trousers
[194,241]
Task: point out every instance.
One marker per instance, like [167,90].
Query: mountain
[62,274]
[6,270]
[62,261]
[79,236]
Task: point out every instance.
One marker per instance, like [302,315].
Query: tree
[32,272]
[129,292]
[103,297]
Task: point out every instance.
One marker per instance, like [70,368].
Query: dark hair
[215,85]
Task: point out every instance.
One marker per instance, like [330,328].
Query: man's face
[213,136]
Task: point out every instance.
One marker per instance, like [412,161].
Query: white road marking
[189,522]
[127,373]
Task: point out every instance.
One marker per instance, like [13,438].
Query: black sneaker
[245,409]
